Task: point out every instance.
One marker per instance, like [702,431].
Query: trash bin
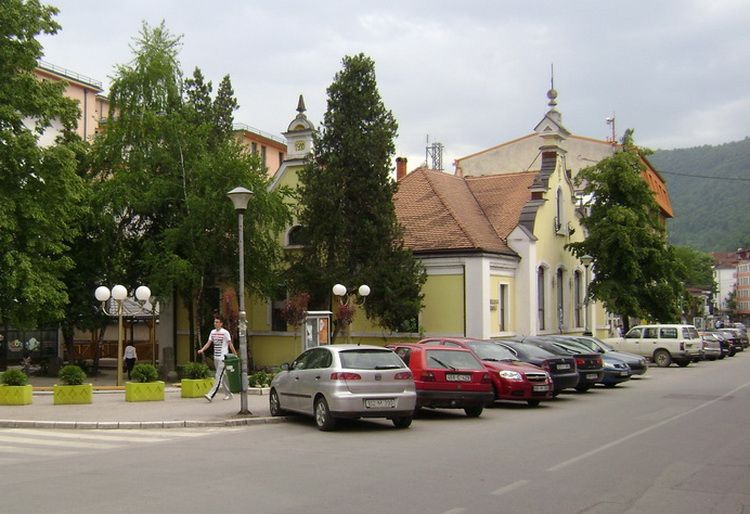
[232,369]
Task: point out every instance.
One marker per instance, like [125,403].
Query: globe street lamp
[240,197]
[345,300]
[119,293]
[586,260]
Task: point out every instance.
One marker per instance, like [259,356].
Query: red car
[511,378]
[447,378]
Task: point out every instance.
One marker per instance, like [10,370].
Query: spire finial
[552,94]
[301,105]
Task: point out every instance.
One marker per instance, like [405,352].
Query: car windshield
[370,359]
[591,345]
[491,351]
[689,333]
[535,352]
[452,359]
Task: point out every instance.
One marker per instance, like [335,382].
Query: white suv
[663,344]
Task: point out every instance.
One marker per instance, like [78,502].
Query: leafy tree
[40,190]
[636,272]
[166,161]
[346,205]
[696,267]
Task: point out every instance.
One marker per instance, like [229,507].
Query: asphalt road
[676,440]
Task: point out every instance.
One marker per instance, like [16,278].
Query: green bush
[144,373]
[260,379]
[14,377]
[71,375]
[195,371]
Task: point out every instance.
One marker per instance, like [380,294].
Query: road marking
[81,435]
[67,444]
[642,431]
[510,487]
[34,451]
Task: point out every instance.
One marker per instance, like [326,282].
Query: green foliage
[166,162]
[636,272]
[260,379]
[71,375]
[195,371]
[14,377]
[40,190]
[695,267]
[346,205]
[710,213]
[144,372]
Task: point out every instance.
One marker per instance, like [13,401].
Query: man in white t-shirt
[222,342]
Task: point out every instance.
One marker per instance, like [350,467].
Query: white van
[663,344]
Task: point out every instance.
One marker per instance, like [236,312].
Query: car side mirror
[285,366]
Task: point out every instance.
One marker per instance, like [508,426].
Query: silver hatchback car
[345,381]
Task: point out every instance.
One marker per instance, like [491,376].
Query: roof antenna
[552,94]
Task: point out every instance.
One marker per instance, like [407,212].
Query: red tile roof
[446,213]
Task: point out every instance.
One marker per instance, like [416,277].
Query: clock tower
[299,134]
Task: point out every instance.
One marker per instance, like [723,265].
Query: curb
[112,425]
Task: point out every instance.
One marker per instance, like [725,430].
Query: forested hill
[712,209]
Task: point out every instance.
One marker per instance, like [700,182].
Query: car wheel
[274,404]
[402,421]
[683,364]
[533,403]
[721,357]
[473,412]
[662,358]
[731,352]
[323,417]
[583,388]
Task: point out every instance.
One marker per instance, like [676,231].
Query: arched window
[540,297]
[297,236]
[560,298]
[559,210]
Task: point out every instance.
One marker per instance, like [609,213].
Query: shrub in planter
[260,379]
[72,390]
[15,388]
[196,380]
[145,386]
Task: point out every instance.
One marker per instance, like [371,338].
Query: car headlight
[609,365]
[510,375]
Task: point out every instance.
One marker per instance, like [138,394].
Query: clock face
[299,146]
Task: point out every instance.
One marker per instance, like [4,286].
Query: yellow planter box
[15,395]
[144,391]
[72,394]
[195,388]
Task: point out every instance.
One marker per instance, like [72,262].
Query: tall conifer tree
[347,210]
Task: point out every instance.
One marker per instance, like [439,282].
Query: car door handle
[296,378]
[317,378]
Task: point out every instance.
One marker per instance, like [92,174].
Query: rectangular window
[578,298]
[278,324]
[560,297]
[503,307]
[263,155]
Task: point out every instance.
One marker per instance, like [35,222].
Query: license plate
[389,403]
[592,376]
[541,388]
[454,377]
[563,366]
[623,373]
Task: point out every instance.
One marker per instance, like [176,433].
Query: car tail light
[599,362]
[345,375]
[486,378]
[428,376]
[403,375]
[580,361]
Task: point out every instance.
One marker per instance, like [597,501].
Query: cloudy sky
[469,74]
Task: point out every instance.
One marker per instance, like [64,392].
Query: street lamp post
[345,299]
[119,293]
[240,196]
[586,260]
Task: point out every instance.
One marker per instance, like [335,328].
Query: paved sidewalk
[110,410]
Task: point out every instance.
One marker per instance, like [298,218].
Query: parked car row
[394,382]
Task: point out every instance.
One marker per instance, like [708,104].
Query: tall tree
[167,160]
[636,273]
[40,190]
[346,204]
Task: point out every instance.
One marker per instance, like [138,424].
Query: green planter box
[15,395]
[195,387]
[144,391]
[72,394]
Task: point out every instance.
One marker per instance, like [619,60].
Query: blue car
[616,371]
